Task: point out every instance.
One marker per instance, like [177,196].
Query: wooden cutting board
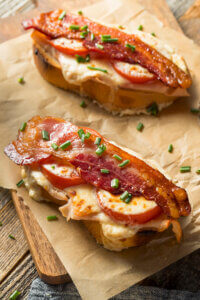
[49,267]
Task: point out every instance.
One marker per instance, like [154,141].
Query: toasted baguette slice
[117,101]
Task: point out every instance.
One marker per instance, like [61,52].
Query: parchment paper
[99,273]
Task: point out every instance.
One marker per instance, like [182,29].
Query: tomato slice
[133,72]
[61,176]
[137,211]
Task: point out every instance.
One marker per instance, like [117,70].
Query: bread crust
[120,100]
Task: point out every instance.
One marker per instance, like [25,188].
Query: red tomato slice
[134,73]
[70,47]
[61,176]
[137,211]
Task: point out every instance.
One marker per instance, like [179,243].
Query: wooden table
[17,269]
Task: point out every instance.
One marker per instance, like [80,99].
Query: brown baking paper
[99,273]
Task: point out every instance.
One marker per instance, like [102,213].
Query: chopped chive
[106,36]
[20,183]
[105,171]
[153,33]
[140,126]
[1,224]
[121,27]
[92,36]
[124,195]
[80,132]
[117,157]
[74,27]
[85,27]
[128,199]
[170,148]
[52,218]
[140,27]
[108,39]
[153,109]
[132,47]
[23,126]
[83,34]
[100,150]
[83,104]
[99,46]
[21,80]
[11,237]
[54,146]
[98,141]
[14,295]
[81,59]
[194,110]
[80,12]
[53,167]
[87,135]
[198,171]
[62,15]
[45,135]
[115,183]
[124,163]
[97,69]
[185,169]
[65,145]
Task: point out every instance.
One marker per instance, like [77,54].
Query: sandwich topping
[80,156]
[103,42]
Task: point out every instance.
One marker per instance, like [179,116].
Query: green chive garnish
[170,148]
[21,80]
[153,33]
[92,36]
[98,141]
[83,34]
[83,104]
[85,27]
[45,135]
[62,15]
[117,157]
[53,167]
[140,27]
[65,145]
[124,195]
[80,132]
[20,183]
[81,59]
[108,39]
[52,218]
[115,183]
[124,163]
[54,146]
[97,69]
[185,169]
[132,47]
[194,110]
[1,224]
[23,126]
[80,12]
[153,109]
[99,46]
[105,171]
[100,150]
[74,27]
[128,199]
[140,126]
[11,237]
[87,135]
[14,295]
[198,171]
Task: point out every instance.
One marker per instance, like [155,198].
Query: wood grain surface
[16,266]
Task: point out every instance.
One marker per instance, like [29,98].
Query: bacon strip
[145,55]
[138,178]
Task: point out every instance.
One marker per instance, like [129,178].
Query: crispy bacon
[138,178]
[145,55]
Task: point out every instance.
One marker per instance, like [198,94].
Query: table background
[17,269]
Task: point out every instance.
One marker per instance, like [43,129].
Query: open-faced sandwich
[123,72]
[122,200]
